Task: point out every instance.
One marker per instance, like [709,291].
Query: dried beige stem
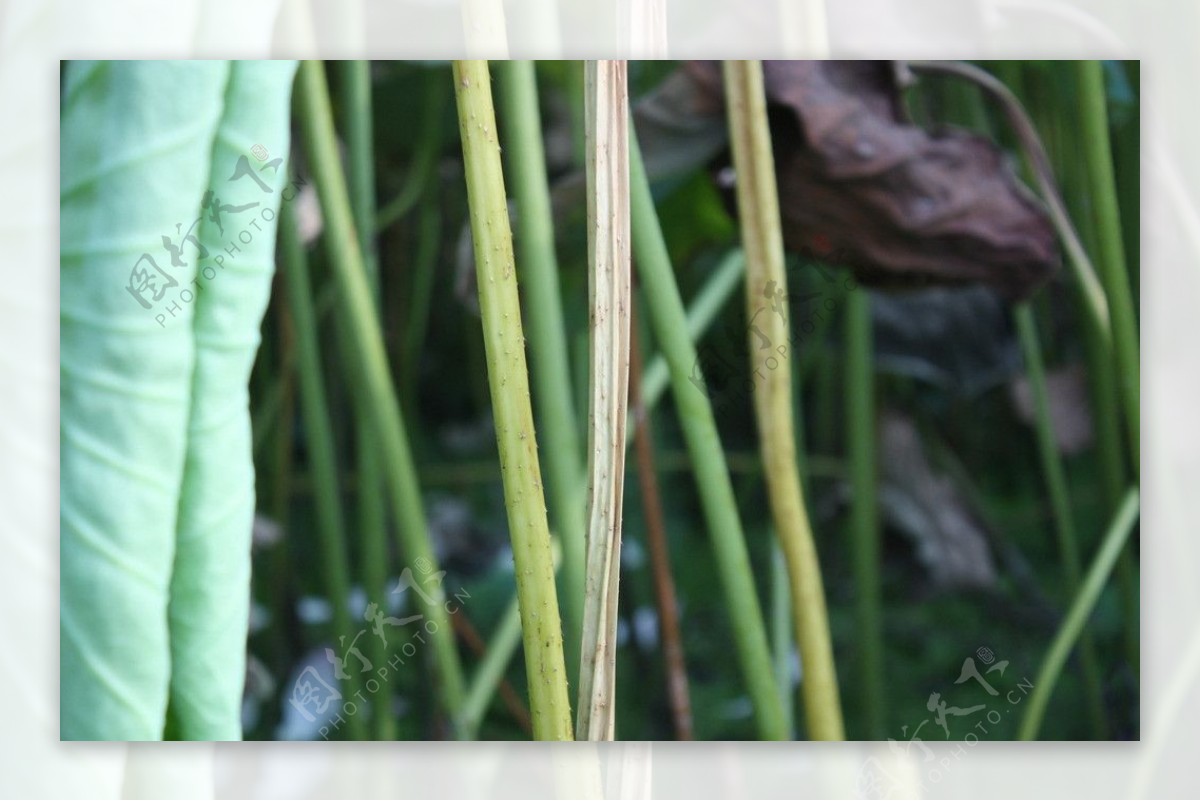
[606,97]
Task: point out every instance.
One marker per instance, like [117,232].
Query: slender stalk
[266,418]
[360,152]
[656,538]
[781,635]
[425,262]
[695,413]
[372,377]
[758,211]
[1104,398]
[1081,608]
[509,383]
[811,349]
[1103,391]
[705,307]
[330,526]
[609,281]
[864,509]
[277,577]
[491,670]
[1106,414]
[537,268]
[467,633]
[1097,150]
[360,149]
[1055,120]
[824,406]
[490,674]
[424,159]
[1060,504]
[1035,154]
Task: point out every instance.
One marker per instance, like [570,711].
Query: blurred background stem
[1093,121]
[1060,504]
[360,150]
[669,323]
[1053,111]
[1081,608]
[864,511]
[373,379]
[330,520]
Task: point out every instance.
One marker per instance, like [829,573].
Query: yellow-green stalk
[766,293]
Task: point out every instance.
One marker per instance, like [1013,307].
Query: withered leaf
[863,187]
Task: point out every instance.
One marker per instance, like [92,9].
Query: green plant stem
[1101,369]
[1051,112]
[360,150]
[424,159]
[330,526]
[508,379]
[695,413]
[491,670]
[762,237]
[1081,608]
[1097,151]
[283,467]
[705,306]
[489,676]
[1107,423]
[416,326]
[864,509]
[538,270]
[781,635]
[373,378]
[1060,503]
[811,347]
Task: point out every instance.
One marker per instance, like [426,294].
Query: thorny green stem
[508,379]
[537,268]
